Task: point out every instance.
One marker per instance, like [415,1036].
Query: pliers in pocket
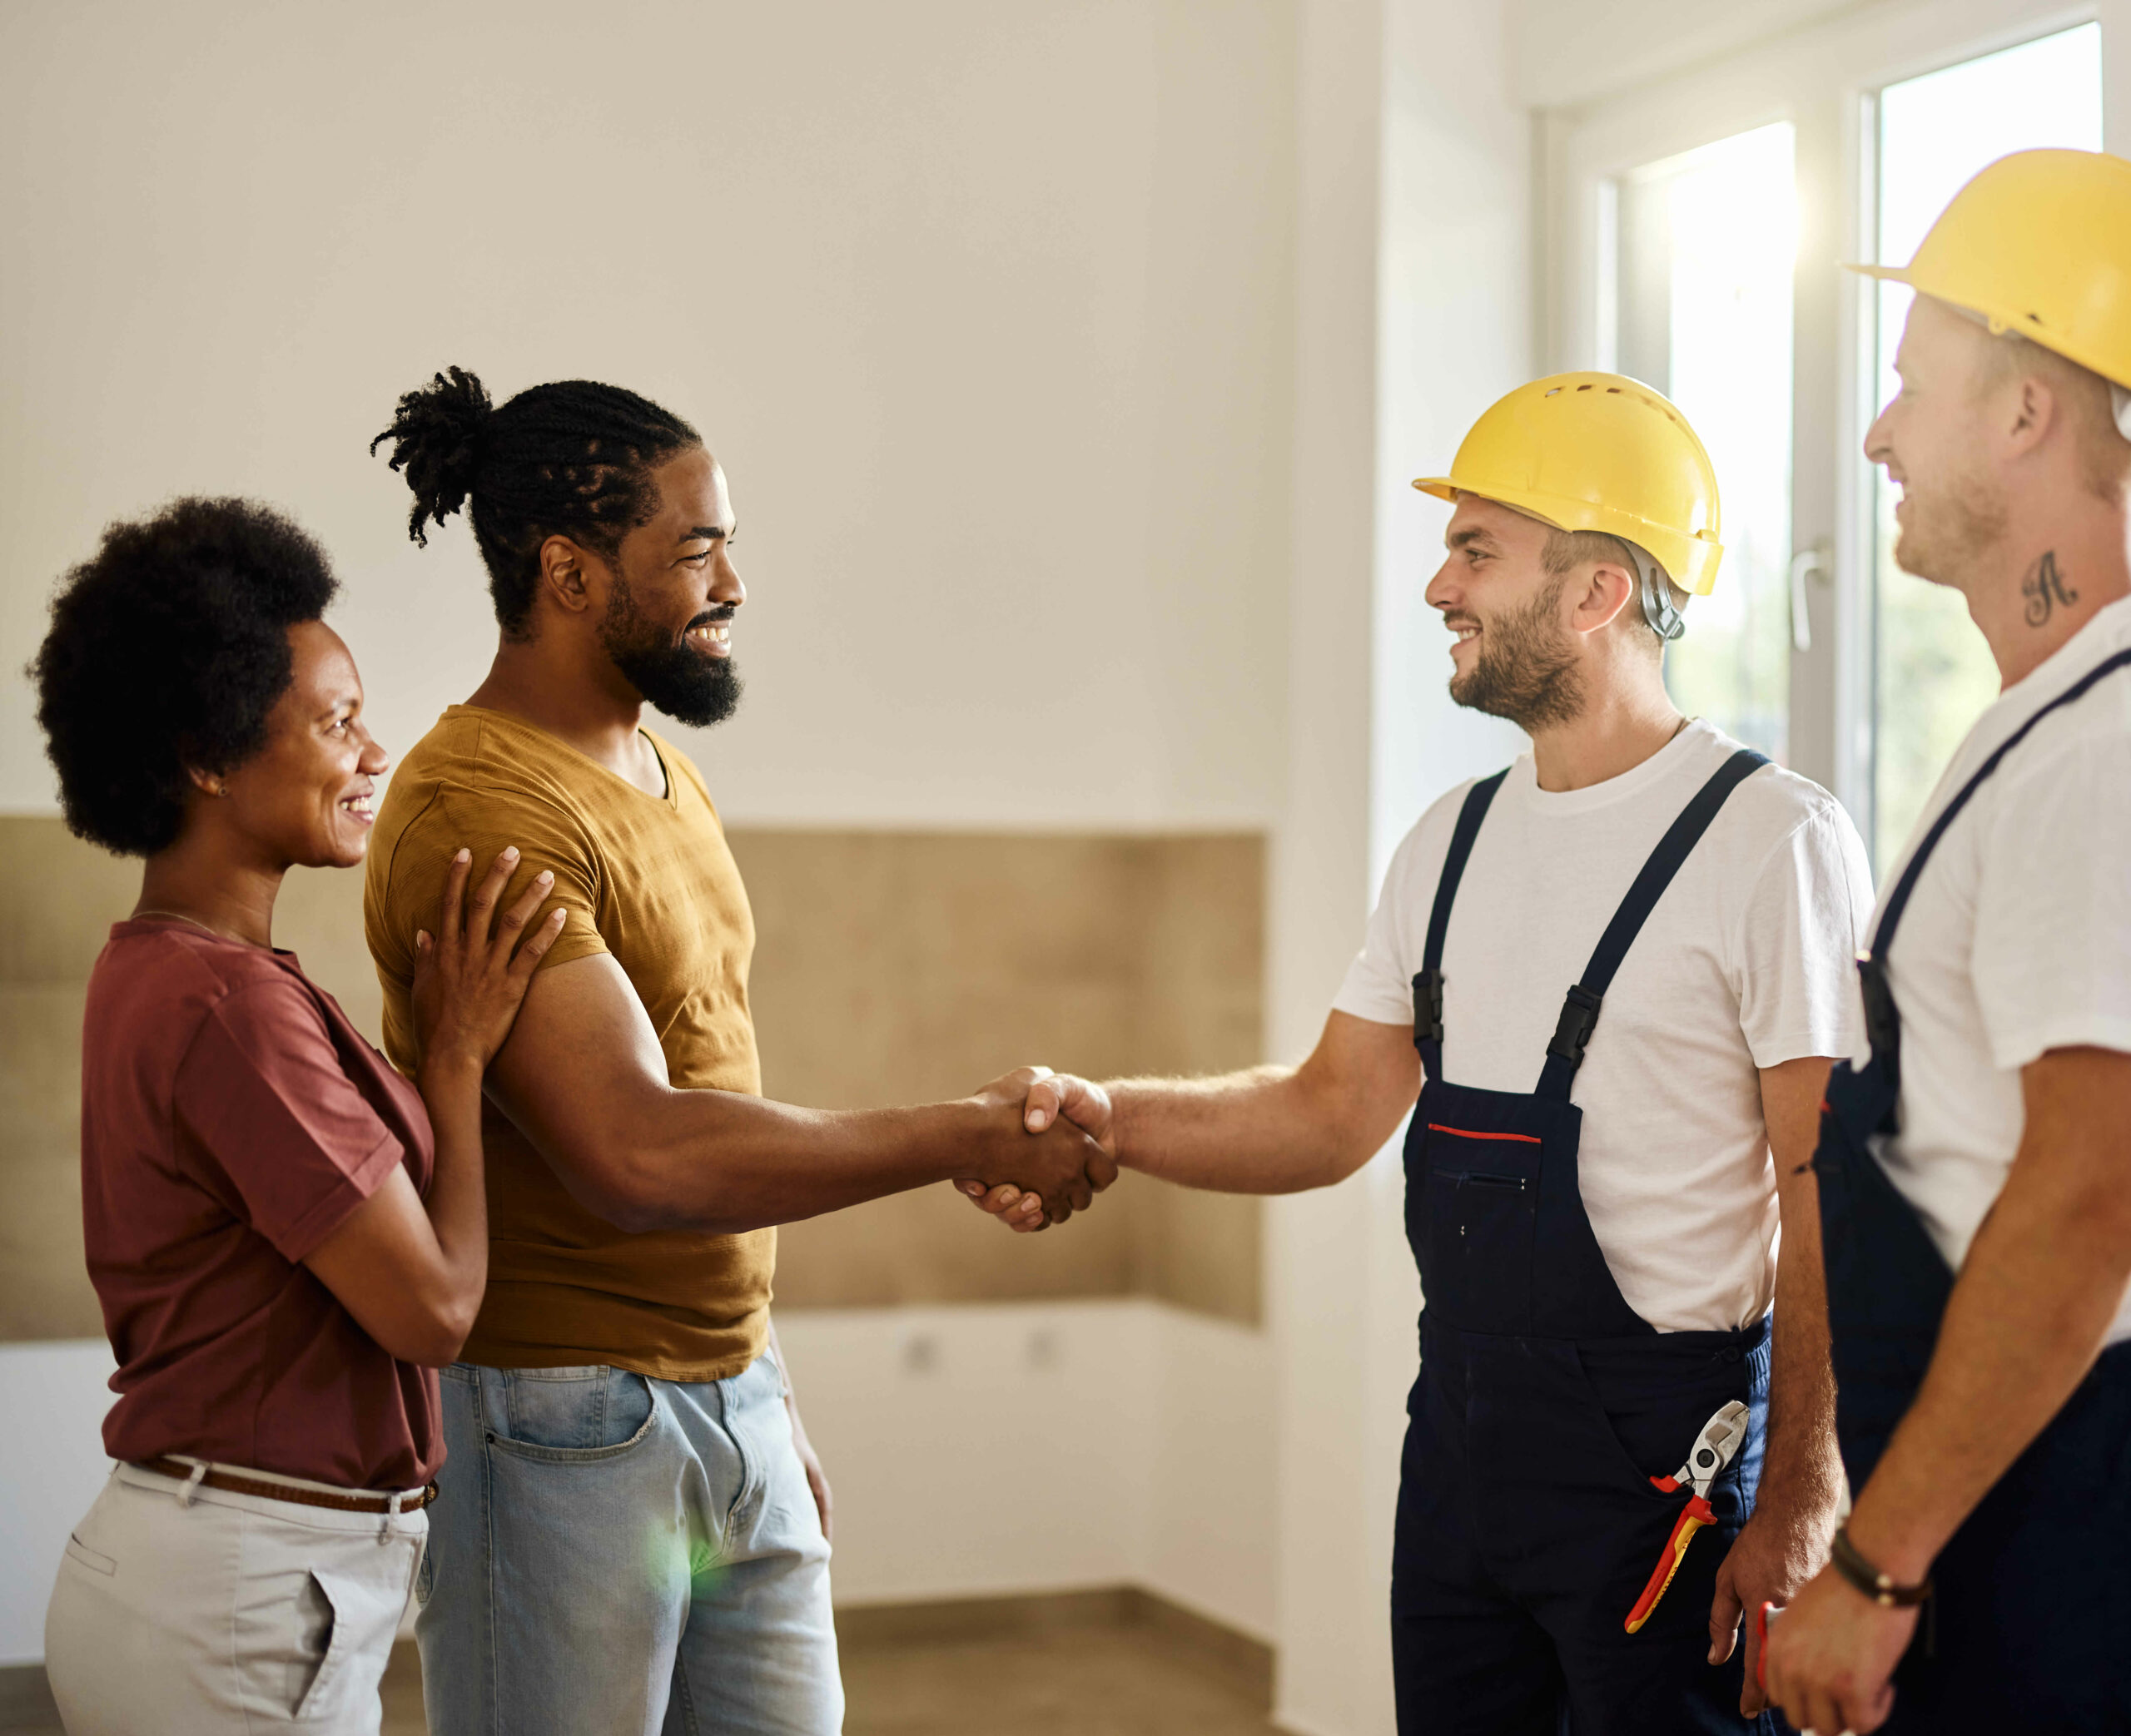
[1714,1447]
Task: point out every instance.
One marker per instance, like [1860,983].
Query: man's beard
[1526,669]
[1949,529]
[688,686]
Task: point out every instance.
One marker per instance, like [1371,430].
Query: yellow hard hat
[2038,243]
[1597,452]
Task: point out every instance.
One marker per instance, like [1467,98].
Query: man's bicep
[2077,1105]
[484,827]
[579,1067]
[1370,1073]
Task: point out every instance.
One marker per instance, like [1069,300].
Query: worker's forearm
[1801,1467]
[2043,1280]
[1263,1131]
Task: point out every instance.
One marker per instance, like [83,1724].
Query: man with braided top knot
[1613,975]
[632,1533]
[1975,1161]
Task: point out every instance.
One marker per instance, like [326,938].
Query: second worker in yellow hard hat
[1975,1161]
[1613,974]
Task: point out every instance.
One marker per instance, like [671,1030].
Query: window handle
[1806,561]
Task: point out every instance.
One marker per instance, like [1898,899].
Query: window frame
[1823,81]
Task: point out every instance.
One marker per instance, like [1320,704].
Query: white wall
[986,311]
[1566,51]
[53,1401]
[2115,16]
[1413,315]
[982,1450]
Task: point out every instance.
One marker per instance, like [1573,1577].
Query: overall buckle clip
[1882,1021]
[1427,1007]
[1579,1018]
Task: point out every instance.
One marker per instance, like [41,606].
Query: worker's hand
[1045,1168]
[1778,1550]
[1050,1096]
[1831,1659]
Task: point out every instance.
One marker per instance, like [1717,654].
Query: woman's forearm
[457,1201]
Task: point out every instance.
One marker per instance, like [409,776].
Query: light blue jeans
[611,1555]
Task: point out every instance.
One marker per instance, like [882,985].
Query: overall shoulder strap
[1580,1013]
[1882,1022]
[1428,985]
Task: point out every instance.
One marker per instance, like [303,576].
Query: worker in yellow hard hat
[1614,975]
[1974,1161]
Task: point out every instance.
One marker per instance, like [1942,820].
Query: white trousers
[205,1613]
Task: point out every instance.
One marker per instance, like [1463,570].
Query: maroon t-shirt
[231,1119]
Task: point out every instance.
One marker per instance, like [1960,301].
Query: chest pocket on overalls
[1483,1219]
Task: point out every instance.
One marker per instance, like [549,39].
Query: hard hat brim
[1689,562]
[1885,274]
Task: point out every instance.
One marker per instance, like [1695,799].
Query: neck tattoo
[2044,588]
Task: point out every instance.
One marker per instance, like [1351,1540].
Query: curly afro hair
[166,653]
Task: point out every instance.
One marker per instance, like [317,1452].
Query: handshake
[1045,1150]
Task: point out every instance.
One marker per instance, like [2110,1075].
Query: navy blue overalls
[1528,1520]
[2030,1625]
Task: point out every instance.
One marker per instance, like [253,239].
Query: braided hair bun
[572,458]
[436,436]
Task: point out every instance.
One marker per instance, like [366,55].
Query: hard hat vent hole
[1613,391]
[1585,387]
[1553,391]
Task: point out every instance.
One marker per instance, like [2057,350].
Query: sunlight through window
[1708,243]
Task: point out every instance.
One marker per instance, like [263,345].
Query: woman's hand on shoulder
[471,973]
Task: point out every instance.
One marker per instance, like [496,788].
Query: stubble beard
[1951,531]
[1526,669]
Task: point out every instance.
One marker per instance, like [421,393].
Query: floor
[1121,1681]
[1089,1682]
[1086,1681]
[1076,1679]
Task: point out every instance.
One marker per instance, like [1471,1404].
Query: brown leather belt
[229,1484]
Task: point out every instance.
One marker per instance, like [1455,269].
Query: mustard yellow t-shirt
[650,880]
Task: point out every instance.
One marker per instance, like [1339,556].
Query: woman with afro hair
[287,1238]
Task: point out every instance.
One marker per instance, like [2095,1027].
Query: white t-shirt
[2018,937]
[1746,962]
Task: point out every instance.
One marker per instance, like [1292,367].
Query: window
[1931,673]
[1706,242]
[1695,226]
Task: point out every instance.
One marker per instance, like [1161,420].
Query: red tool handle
[1697,1514]
[1762,1617]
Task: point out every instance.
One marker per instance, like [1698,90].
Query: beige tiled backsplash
[892,967]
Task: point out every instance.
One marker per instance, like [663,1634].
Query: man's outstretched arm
[1267,1130]
[583,1077]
